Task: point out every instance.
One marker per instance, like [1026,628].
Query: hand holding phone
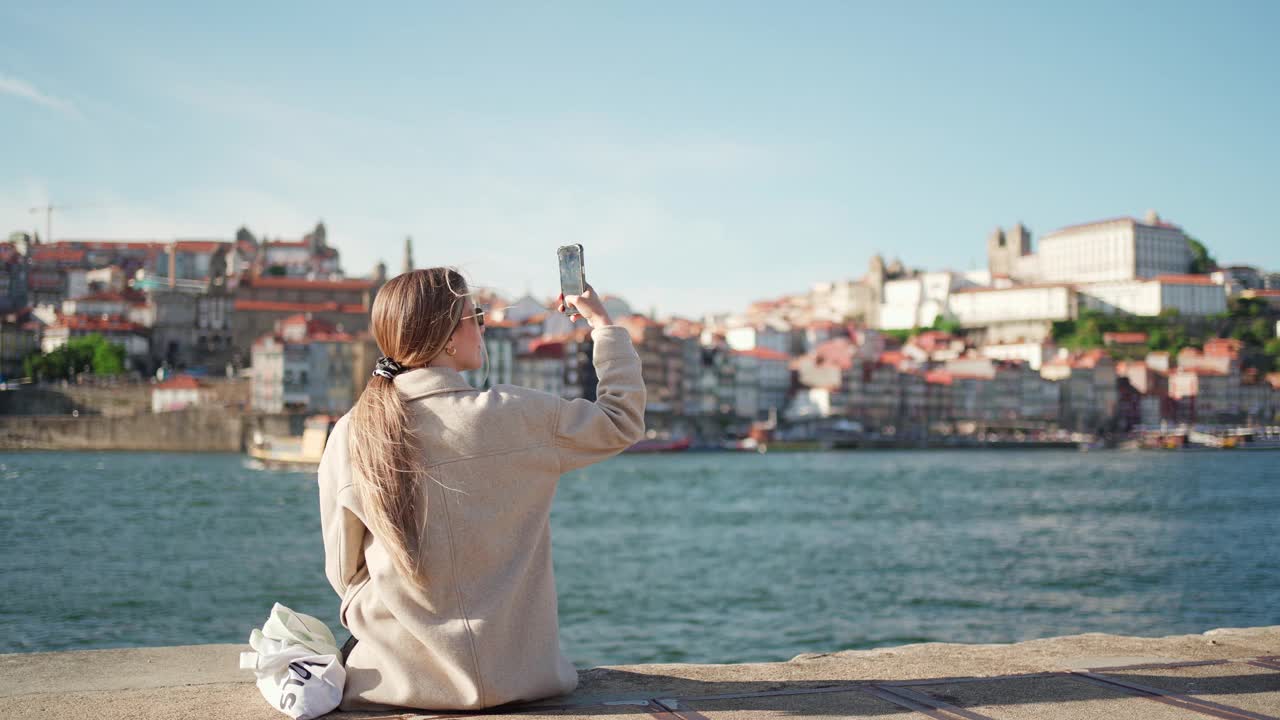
[573,276]
[587,305]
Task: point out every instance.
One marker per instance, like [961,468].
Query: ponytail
[383,457]
[413,316]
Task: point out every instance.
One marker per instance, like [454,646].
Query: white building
[541,367]
[129,335]
[746,386]
[1014,314]
[750,337]
[918,301]
[177,393]
[1034,354]
[1188,294]
[1118,249]
[305,365]
[773,377]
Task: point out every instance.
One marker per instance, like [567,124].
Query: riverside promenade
[1226,673]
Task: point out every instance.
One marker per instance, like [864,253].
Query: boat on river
[657,445]
[292,452]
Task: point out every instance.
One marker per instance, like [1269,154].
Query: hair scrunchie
[387,368]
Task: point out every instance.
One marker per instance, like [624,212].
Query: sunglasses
[478,315]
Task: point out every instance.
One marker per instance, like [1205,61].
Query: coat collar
[423,381]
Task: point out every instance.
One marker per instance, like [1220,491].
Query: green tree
[1201,261]
[946,325]
[1272,350]
[108,359]
[88,353]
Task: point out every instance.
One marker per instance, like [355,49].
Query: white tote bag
[296,661]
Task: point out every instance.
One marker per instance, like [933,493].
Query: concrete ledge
[973,681]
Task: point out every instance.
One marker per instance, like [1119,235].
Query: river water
[683,558]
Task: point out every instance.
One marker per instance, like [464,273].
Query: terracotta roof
[1200,371]
[273,306]
[200,246]
[837,351]
[97,324]
[1124,338]
[891,357]
[179,382]
[54,254]
[938,377]
[763,354]
[553,349]
[1088,359]
[310,338]
[1223,347]
[1174,279]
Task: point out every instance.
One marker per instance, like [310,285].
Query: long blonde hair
[414,315]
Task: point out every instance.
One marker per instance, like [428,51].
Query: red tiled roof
[54,254]
[546,348]
[1124,338]
[95,324]
[763,354]
[1223,347]
[273,306]
[200,246]
[836,351]
[891,357]
[1088,359]
[1200,371]
[1175,279]
[938,377]
[179,382]
[310,338]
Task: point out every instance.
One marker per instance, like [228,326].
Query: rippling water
[683,558]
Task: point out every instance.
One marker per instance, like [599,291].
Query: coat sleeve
[342,529]
[588,432]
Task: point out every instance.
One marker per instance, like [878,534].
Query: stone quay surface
[1231,673]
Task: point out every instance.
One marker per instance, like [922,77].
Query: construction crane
[48,218]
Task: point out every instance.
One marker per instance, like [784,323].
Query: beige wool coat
[483,630]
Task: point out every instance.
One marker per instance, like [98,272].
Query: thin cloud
[13,86]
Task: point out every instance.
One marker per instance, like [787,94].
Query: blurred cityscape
[1097,330]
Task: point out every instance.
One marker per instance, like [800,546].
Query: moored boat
[291,452]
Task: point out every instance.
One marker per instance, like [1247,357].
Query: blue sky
[705,154]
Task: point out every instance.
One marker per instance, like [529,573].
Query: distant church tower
[1004,249]
[408,254]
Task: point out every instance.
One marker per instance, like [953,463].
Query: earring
[451,351]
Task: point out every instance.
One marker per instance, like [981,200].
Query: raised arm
[586,431]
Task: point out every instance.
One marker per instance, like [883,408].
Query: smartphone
[573,277]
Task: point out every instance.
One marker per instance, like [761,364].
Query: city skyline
[725,143]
